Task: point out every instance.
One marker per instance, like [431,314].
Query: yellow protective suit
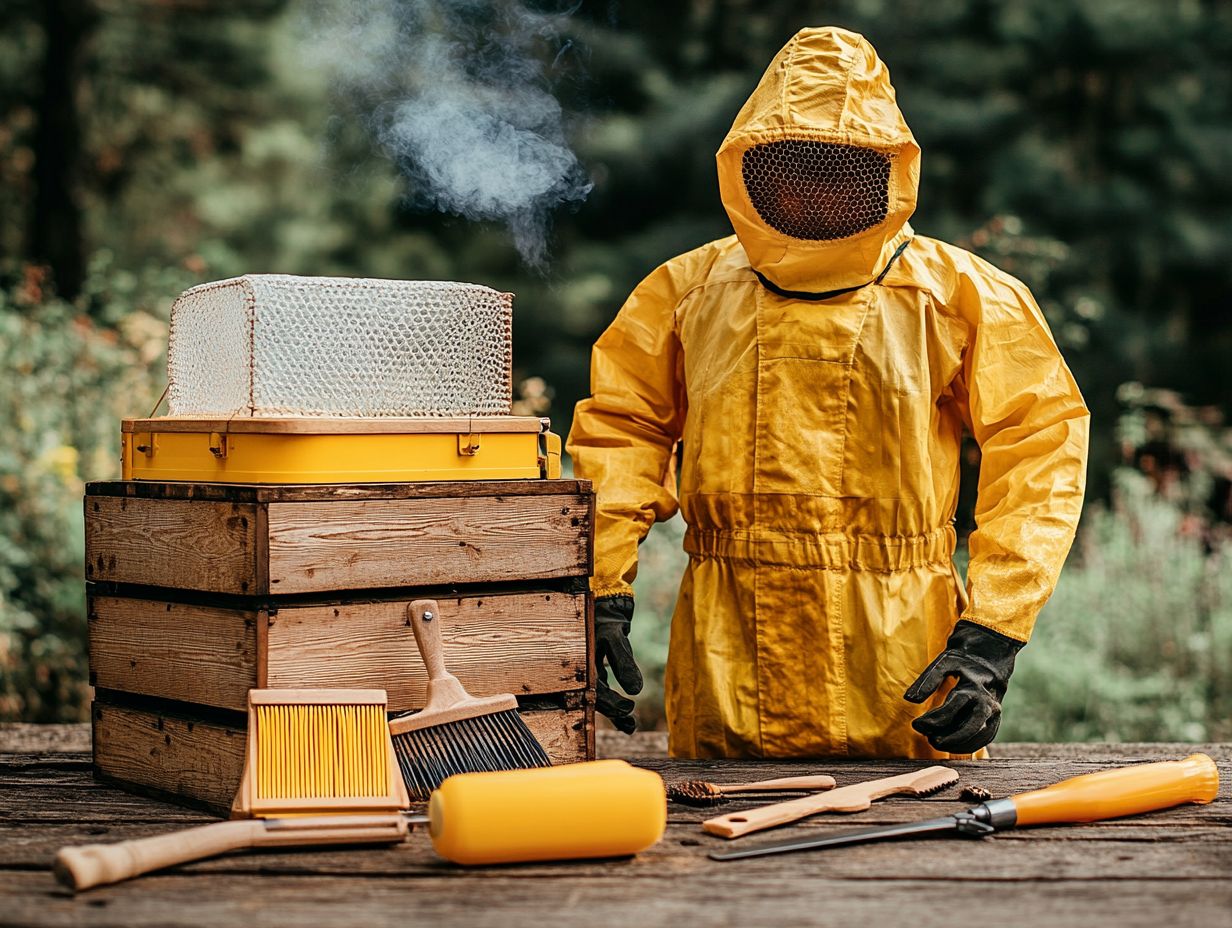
[819,445]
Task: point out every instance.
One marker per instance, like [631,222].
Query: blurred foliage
[1080,144]
[1136,643]
[661,562]
[67,381]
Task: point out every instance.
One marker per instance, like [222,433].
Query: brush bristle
[321,751]
[696,793]
[499,741]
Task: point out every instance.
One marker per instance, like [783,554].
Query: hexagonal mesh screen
[277,345]
[817,191]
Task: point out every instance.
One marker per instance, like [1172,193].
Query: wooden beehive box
[198,592]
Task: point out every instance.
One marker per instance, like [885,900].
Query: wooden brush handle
[444,690]
[96,864]
[819,782]
[425,618]
[447,700]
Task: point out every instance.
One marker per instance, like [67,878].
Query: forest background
[148,145]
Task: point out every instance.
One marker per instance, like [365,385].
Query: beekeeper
[814,373]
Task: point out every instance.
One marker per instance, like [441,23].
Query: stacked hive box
[201,589]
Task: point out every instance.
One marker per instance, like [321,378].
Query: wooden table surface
[1168,869]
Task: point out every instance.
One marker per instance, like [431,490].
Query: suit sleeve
[1031,423]
[624,436]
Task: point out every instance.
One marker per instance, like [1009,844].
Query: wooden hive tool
[854,798]
[322,758]
[456,732]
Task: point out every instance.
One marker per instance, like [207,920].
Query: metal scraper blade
[949,823]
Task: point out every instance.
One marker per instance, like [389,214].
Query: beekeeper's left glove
[982,660]
[613,619]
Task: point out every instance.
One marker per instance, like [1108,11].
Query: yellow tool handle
[604,808]
[1124,791]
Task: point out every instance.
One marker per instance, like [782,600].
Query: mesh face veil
[817,191]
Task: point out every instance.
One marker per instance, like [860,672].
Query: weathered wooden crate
[199,592]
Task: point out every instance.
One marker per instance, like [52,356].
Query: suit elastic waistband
[855,552]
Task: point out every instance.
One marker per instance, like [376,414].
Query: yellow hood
[826,84]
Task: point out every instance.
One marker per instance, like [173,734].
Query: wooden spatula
[854,798]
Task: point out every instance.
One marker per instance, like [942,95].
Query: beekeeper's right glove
[613,619]
[982,661]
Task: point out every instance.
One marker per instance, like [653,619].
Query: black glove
[613,618]
[982,660]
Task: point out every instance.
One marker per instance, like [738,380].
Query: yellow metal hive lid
[298,450]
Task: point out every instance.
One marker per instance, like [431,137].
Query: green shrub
[67,382]
[1136,642]
[661,561]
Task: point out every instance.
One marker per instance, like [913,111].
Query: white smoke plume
[458,94]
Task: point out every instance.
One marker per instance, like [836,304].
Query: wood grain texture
[304,493]
[624,894]
[1168,868]
[200,761]
[30,738]
[175,543]
[193,653]
[561,732]
[524,643]
[398,543]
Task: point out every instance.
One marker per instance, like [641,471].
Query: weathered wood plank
[394,543]
[189,544]
[192,653]
[1041,858]
[1135,751]
[618,893]
[26,738]
[523,643]
[612,743]
[1169,867]
[266,493]
[562,732]
[49,788]
[201,761]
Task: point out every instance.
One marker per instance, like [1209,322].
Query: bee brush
[456,732]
